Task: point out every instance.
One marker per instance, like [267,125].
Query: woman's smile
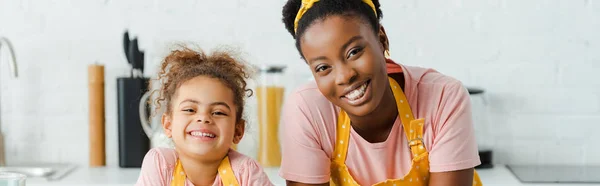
[358,94]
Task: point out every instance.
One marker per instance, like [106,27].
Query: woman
[367,120]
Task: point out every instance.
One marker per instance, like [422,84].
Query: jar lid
[272,68]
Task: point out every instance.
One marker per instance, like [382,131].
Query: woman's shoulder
[429,85]
[429,77]
[431,90]
[309,100]
[308,91]
[307,103]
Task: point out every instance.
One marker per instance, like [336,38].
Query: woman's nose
[345,75]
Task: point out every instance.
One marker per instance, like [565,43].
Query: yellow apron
[419,172]
[225,172]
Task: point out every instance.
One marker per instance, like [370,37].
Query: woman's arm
[453,153]
[452,178]
[303,158]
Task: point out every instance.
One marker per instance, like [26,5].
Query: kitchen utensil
[152,125]
[12,179]
[481,124]
[137,58]
[126,43]
[141,63]
[269,94]
[556,173]
[134,56]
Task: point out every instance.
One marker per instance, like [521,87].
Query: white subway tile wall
[538,61]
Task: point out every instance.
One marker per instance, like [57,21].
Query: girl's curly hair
[184,64]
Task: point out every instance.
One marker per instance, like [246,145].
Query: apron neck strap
[225,172]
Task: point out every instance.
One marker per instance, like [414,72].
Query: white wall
[537,59]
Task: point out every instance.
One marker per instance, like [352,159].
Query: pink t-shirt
[159,163]
[308,130]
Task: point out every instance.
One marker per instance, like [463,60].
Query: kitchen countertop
[497,176]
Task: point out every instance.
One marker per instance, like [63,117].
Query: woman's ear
[240,128]
[166,123]
[383,39]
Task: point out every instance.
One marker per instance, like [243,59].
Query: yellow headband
[307,4]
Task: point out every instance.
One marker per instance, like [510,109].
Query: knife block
[133,142]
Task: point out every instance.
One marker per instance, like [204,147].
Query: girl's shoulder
[240,161]
[164,158]
[157,167]
[247,170]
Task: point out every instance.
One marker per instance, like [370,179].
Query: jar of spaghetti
[269,94]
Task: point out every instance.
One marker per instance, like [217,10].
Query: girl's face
[347,61]
[203,118]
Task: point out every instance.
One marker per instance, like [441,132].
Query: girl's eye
[354,52]
[219,113]
[321,68]
[188,110]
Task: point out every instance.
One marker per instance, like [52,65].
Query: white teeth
[357,93]
[202,134]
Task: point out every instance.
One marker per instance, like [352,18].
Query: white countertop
[497,176]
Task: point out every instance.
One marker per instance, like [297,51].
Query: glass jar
[269,93]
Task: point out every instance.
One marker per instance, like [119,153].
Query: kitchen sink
[50,172]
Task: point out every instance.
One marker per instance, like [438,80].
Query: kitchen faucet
[13,71]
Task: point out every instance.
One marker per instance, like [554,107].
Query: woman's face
[347,61]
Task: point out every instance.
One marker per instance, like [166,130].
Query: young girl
[204,99]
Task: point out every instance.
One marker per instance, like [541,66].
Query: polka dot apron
[419,172]
[225,172]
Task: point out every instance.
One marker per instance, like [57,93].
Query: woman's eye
[354,52]
[321,68]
